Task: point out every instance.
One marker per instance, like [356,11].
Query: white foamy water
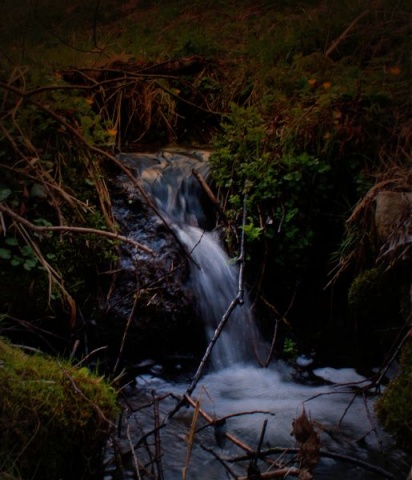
[345,423]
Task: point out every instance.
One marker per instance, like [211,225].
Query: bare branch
[158,452]
[126,330]
[81,230]
[344,34]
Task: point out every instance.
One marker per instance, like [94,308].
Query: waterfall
[246,396]
[214,276]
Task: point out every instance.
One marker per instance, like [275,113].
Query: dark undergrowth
[306,104]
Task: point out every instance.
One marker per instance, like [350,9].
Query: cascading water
[215,282]
[244,393]
[214,276]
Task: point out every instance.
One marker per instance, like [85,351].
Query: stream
[254,404]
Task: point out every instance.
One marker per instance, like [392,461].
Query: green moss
[375,296]
[57,417]
[394,408]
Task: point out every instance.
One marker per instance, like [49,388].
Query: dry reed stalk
[191,437]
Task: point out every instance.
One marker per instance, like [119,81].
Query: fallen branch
[281,472]
[126,330]
[81,230]
[220,460]
[211,421]
[344,34]
[211,196]
[135,461]
[191,439]
[361,463]
[158,451]
[326,454]
[396,348]
[272,345]
[239,414]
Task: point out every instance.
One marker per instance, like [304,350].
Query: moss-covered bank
[394,408]
[54,417]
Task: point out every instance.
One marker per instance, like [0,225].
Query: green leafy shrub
[54,418]
[284,190]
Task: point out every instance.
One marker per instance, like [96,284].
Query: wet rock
[392,209]
[151,305]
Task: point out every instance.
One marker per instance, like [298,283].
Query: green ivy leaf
[4,193]
[42,222]
[30,263]
[38,191]
[12,241]
[27,251]
[5,253]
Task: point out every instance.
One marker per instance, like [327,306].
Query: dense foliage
[49,179]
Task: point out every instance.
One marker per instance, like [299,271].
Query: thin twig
[326,454]
[93,352]
[53,276]
[396,351]
[347,409]
[158,450]
[220,460]
[262,436]
[85,397]
[242,256]
[372,422]
[191,438]
[206,356]
[239,414]
[126,330]
[135,461]
[211,420]
[95,26]
[344,34]
[215,201]
[273,345]
[281,472]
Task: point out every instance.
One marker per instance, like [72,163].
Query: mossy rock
[394,408]
[54,417]
[375,296]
